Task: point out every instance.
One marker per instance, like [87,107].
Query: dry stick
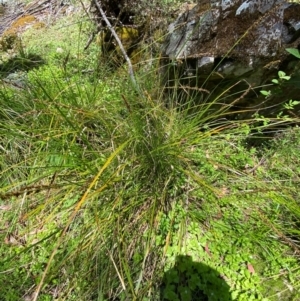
[110,27]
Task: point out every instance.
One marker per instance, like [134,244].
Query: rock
[10,38]
[234,29]
[16,79]
[234,39]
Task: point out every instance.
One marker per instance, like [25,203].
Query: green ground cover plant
[110,194]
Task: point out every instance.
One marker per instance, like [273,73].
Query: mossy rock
[129,37]
[23,21]
[10,39]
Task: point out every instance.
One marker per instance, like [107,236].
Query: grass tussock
[109,194]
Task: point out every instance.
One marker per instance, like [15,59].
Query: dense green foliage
[107,193]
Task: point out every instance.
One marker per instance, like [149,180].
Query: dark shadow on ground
[193,281]
[20,63]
